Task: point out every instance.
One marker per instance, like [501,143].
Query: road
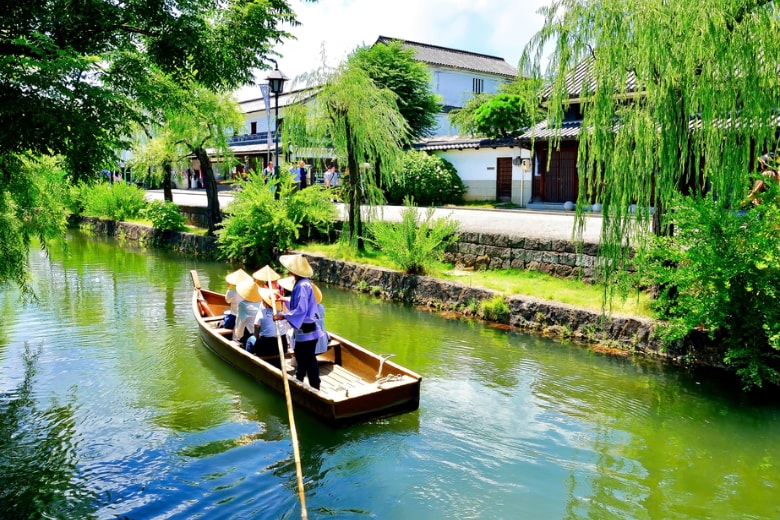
[512,222]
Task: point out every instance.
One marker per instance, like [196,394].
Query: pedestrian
[302,317]
[268,172]
[331,177]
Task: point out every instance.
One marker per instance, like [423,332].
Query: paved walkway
[515,222]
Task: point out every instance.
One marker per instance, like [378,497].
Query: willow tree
[361,126]
[197,122]
[675,96]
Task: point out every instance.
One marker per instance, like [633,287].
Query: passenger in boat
[302,319]
[232,297]
[265,340]
[247,310]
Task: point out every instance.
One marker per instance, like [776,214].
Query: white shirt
[245,319]
[233,298]
[264,320]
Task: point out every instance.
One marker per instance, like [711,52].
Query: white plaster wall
[477,169]
[456,87]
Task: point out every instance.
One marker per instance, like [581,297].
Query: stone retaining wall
[186,243]
[560,258]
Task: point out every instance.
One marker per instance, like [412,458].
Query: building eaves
[457,59]
[463,143]
[542,132]
[581,82]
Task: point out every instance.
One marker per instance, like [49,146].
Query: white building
[491,169]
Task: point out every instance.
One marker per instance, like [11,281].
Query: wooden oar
[288,397]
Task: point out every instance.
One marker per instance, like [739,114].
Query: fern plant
[415,244]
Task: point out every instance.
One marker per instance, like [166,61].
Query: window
[477,85]
[254,127]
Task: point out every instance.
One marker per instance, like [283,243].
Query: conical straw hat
[288,282]
[237,276]
[268,296]
[262,274]
[249,290]
[297,264]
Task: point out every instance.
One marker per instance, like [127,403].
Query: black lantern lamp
[276,81]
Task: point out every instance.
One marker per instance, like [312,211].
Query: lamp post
[276,81]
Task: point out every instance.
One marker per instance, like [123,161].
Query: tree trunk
[213,214]
[167,193]
[352,185]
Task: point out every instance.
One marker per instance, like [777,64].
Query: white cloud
[495,27]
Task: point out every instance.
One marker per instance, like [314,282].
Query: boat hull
[356,384]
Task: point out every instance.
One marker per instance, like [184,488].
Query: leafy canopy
[75,75]
[394,67]
[507,113]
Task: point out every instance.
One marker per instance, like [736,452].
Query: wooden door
[561,183]
[504,179]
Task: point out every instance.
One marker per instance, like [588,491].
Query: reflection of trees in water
[38,459]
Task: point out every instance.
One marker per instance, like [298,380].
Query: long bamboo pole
[288,397]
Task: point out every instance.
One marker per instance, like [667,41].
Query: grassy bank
[506,282]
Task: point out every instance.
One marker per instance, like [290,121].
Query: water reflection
[39,473]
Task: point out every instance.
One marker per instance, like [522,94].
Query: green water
[111,407]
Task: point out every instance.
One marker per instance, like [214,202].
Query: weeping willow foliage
[359,124]
[32,194]
[676,96]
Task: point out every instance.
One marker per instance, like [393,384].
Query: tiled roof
[580,81]
[541,132]
[455,142]
[464,60]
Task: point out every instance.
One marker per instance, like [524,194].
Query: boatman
[302,318]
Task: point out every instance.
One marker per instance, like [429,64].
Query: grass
[505,282]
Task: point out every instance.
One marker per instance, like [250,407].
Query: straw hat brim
[237,276]
[287,283]
[249,290]
[262,274]
[268,296]
[297,264]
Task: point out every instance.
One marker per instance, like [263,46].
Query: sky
[494,27]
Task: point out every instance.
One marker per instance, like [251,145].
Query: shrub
[118,201]
[428,179]
[165,216]
[495,309]
[258,226]
[720,273]
[413,245]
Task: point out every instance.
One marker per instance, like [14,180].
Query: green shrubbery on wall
[428,179]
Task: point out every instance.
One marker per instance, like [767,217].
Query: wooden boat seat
[224,332]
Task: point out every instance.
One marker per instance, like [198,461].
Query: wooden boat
[356,384]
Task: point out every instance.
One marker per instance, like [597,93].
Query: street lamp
[276,81]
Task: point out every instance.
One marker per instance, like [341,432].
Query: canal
[113,408]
